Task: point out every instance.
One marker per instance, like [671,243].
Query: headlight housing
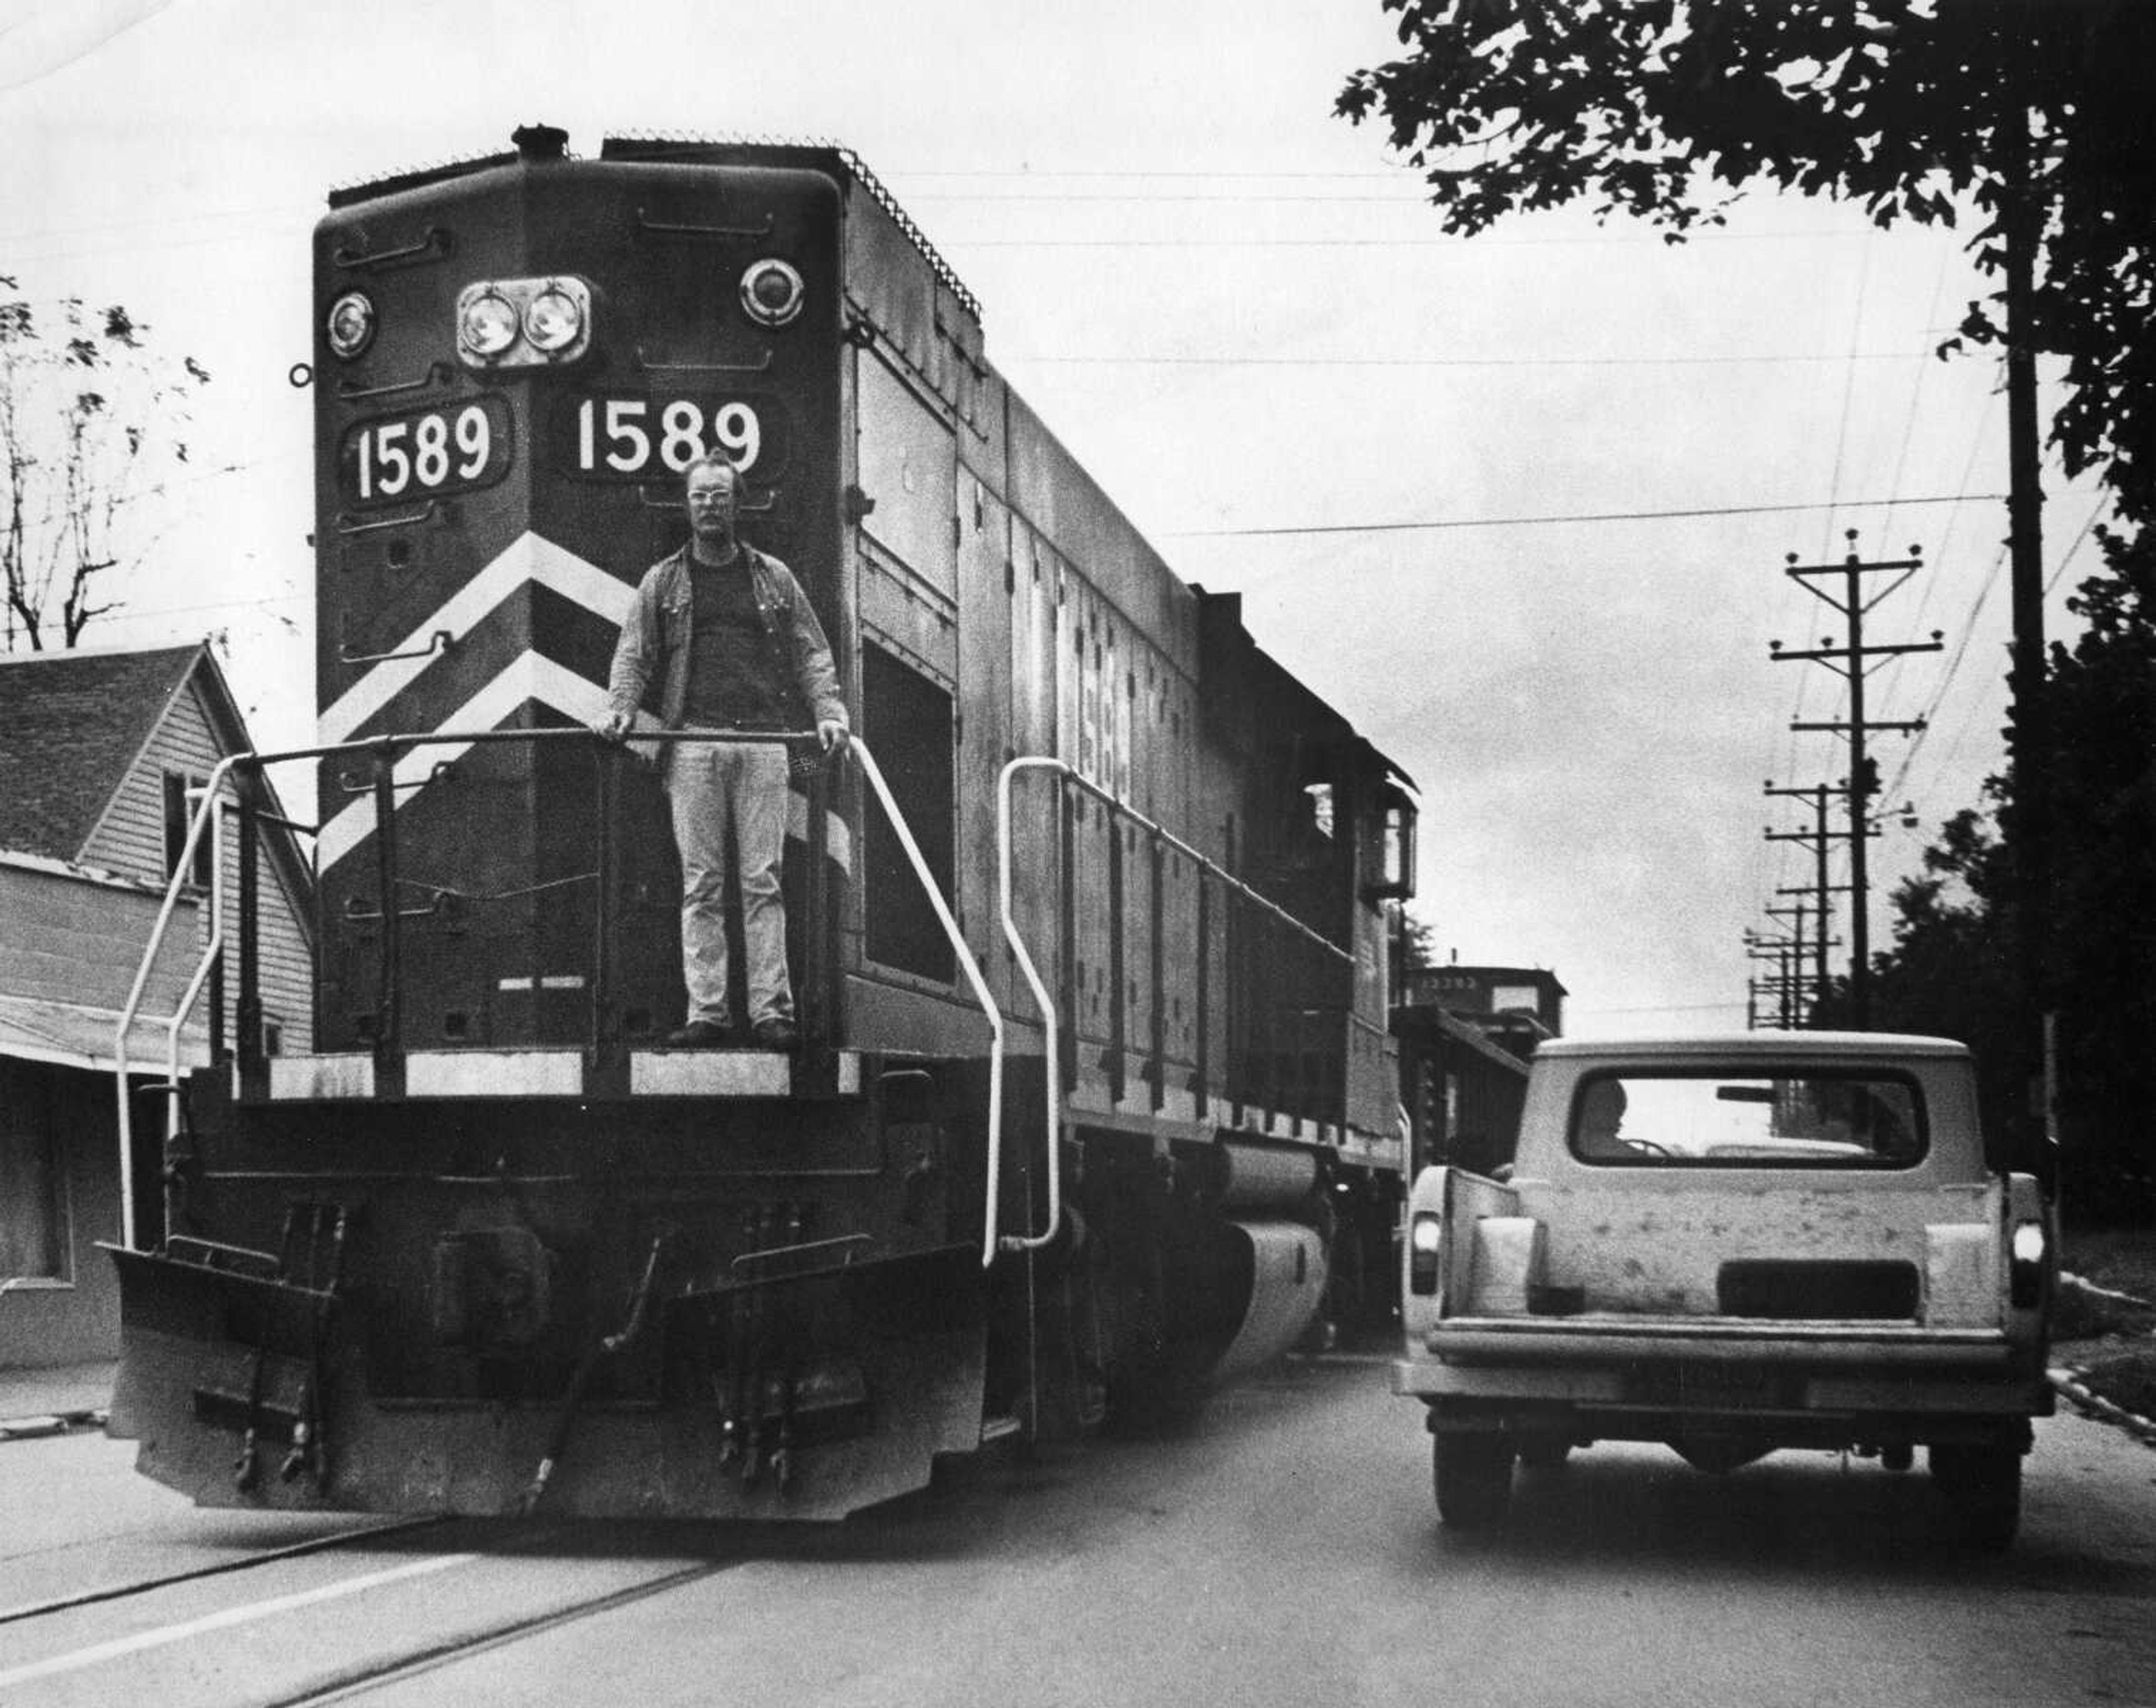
[350,325]
[523,322]
[772,292]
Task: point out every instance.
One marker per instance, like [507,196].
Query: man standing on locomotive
[733,643]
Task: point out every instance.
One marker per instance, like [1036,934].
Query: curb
[2069,1384]
[51,1424]
[2080,1284]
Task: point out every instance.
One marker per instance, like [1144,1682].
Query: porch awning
[70,1035]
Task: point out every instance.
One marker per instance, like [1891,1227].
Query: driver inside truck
[1601,1114]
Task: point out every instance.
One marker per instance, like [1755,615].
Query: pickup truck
[1731,1246]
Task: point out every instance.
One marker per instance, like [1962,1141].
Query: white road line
[166,1634]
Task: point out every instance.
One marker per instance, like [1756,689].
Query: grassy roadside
[2111,1341]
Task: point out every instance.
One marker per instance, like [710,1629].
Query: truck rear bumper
[1680,1389]
[1610,1341]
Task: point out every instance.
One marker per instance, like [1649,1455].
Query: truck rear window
[1802,1118]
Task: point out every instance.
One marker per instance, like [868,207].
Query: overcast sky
[1242,318]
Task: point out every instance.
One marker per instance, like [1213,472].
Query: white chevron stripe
[531,677]
[529,558]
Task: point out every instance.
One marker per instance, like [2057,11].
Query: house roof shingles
[70,725]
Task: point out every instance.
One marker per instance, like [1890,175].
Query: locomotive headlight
[772,292]
[553,320]
[351,324]
[486,322]
[524,322]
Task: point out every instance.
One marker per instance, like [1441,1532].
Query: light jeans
[713,787]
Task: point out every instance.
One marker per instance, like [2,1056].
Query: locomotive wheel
[1473,1477]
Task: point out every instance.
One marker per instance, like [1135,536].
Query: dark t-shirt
[735,680]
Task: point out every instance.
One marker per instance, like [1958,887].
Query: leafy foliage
[91,422]
[1666,109]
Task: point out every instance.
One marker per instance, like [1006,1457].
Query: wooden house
[98,752]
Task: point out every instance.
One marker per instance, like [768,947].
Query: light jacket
[654,642]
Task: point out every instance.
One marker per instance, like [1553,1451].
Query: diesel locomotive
[1094,1103]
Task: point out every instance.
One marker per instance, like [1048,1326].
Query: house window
[33,1229]
[179,810]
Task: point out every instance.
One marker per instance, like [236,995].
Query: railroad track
[361,1675]
[360,1681]
[143,1586]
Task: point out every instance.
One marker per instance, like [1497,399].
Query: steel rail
[293,1550]
[367,1677]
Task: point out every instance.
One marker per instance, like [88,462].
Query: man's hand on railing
[834,738]
[614,726]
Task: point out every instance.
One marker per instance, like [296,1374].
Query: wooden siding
[129,839]
[68,939]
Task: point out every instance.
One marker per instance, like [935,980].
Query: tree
[1417,941]
[91,424]
[1667,110]
[1951,970]
[2103,792]
[2032,113]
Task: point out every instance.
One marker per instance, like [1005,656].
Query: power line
[1452,361]
[1621,515]
[2088,526]
[961,245]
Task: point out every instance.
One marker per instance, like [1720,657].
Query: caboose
[1093,1103]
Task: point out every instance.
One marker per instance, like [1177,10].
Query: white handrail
[214,948]
[178,885]
[965,954]
[173,890]
[1051,1076]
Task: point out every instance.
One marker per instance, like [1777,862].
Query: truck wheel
[1984,1485]
[1474,1477]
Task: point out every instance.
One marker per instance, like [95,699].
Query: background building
[98,750]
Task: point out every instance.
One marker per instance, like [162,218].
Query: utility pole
[1780,951]
[1853,660]
[1819,836]
[1796,973]
[2020,224]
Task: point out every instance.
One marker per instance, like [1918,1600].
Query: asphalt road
[1284,1550]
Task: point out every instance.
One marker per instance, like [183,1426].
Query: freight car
[1090,938]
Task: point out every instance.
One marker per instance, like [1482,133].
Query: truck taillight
[1425,1232]
[2027,1253]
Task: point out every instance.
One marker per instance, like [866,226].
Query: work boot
[775,1033]
[699,1035]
